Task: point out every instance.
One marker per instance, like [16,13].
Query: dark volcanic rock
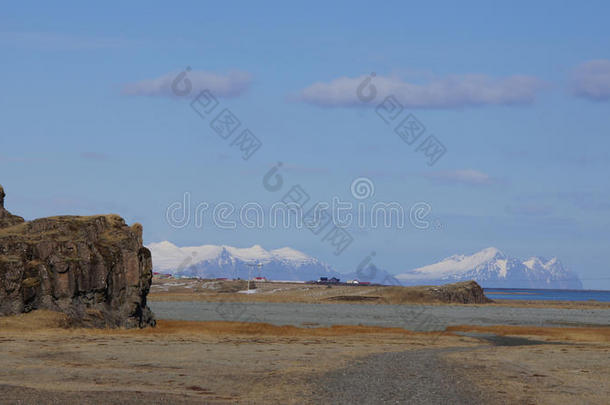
[6,218]
[94,269]
[464,292]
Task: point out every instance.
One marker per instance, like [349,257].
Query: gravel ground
[11,395]
[412,317]
[411,377]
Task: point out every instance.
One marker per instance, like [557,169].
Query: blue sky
[518,94]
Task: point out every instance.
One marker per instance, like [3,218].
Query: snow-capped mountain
[213,261]
[491,268]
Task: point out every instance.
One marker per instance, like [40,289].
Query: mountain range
[492,268]
[489,267]
[213,261]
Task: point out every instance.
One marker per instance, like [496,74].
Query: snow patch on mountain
[459,264]
[491,268]
[213,261]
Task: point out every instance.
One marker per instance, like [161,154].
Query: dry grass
[231,362]
[400,295]
[18,229]
[338,295]
[54,322]
[194,290]
[584,334]
[265,329]
[197,362]
[573,373]
[54,228]
[35,320]
[47,321]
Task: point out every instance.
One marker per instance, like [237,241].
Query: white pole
[250,267]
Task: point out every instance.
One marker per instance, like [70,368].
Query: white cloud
[231,84]
[450,92]
[462,176]
[591,80]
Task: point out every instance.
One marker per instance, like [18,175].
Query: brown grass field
[43,361]
[227,291]
[185,362]
[575,369]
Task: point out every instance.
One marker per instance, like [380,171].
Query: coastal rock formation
[6,218]
[465,292]
[94,269]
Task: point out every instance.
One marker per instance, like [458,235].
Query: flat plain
[249,361]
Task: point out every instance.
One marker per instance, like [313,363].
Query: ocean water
[556,295]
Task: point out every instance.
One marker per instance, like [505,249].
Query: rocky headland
[93,269]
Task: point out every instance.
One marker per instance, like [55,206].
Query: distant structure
[326,280]
[252,265]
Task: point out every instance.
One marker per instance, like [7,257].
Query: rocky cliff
[465,292]
[94,269]
[6,218]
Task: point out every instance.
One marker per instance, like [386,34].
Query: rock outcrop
[6,218]
[465,292]
[94,269]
